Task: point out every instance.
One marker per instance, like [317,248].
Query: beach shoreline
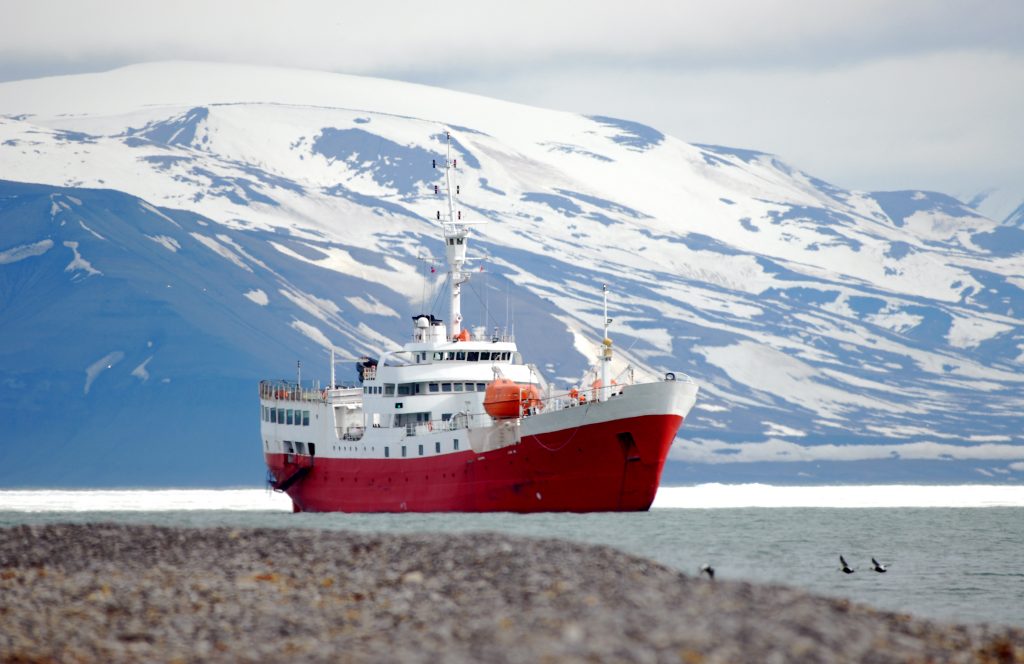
[109,592]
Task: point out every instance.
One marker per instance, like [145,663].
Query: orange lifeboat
[505,398]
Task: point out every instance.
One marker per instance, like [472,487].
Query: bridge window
[472,356]
[458,387]
[305,418]
[438,356]
[434,387]
[288,416]
[446,387]
[481,387]
[460,355]
[389,389]
[403,390]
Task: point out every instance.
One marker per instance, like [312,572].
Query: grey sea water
[948,564]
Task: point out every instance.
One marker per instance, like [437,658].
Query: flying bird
[709,570]
[879,567]
[845,568]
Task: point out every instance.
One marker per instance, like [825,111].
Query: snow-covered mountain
[999,203]
[173,232]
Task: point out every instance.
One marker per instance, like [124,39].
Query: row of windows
[406,389]
[286,416]
[437,448]
[467,356]
[299,448]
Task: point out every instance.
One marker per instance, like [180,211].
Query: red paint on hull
[607,466]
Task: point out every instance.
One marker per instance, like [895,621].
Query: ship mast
[606,351]
[456,233]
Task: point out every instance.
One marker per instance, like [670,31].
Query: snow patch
[150,208]
[24,251]
[94,233]
[970,332]
[784,377]
[166,241]
[312,332]
[219,249]
[92,372]
[319,307]
[140,371]
[897,321]
[258,296]
[78,263]
[372,306]
[375,339]
[776,429]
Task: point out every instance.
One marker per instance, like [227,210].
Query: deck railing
[283,390]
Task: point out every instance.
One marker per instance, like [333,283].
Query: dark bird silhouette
[845,568]
[709,570]
[879,567]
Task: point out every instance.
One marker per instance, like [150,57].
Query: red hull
[607,466]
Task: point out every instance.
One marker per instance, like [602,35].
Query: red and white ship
[455,421]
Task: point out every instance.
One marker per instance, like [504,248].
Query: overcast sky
[893,94]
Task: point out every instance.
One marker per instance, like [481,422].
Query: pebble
[126,593]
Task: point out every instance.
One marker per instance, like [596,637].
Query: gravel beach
[143,593]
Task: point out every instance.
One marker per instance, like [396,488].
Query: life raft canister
[505,398]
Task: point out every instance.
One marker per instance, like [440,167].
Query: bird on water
[845,568]
[878,567]
[709,570]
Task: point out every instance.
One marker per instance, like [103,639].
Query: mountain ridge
[823,324]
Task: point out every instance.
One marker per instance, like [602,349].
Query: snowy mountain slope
[1000,203]
[824,325]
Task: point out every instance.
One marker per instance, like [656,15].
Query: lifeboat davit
[505,398]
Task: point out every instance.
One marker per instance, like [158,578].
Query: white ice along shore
[702,496]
